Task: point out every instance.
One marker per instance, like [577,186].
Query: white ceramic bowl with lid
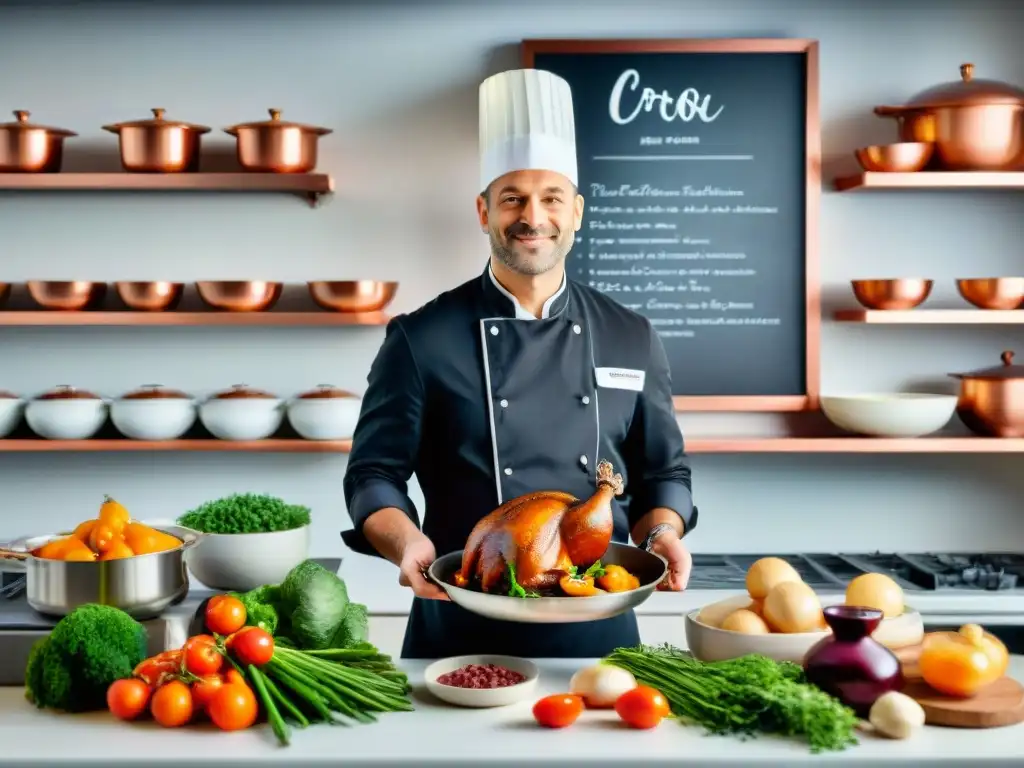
[153,412]
[242,413]
[482,697]
[12,408]
[324,413]
[66,413]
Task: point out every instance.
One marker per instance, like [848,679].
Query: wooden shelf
[932,180]
[854,444]
[931,316]
[311,186]
[251,319]
[36,445]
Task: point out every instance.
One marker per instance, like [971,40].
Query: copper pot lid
[324,392]
[21,123]
[5,395]
[996,373]
[275,121]
[66,392]
[241,392]
[968,91]
[155,392]
[157,121]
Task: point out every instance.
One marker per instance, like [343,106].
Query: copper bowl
[67,295]
[153,296]
[5,291]
[993,292]
[239,295]
[902,157]
[352,295]
[896,293]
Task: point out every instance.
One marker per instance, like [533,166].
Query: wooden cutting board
[1002,703]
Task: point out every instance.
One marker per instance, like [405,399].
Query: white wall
[397,81]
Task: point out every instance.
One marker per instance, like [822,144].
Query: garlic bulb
[601,685]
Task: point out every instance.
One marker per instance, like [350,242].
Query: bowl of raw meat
[482,681]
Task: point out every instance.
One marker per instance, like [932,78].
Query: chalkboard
[699,161]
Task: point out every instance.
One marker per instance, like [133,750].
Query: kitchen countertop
[374,582]
[436,735]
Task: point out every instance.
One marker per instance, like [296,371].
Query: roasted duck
[539,540]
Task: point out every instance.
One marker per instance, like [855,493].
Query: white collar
[522,314]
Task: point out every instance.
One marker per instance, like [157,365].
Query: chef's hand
[680,562]
[416,558]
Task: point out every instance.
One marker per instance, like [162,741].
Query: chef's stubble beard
[525,265]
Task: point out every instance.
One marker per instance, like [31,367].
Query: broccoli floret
[314,599]
[87,650]
[261,607]
[354,628]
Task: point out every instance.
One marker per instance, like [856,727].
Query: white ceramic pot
[324,413]
[12,408]
[890,415]
[153,412]
[242,561]
[66,413]
[242,413]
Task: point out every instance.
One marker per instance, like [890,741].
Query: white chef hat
[526,123]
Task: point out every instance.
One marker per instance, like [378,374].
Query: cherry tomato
[202,656]
[234,677]
[172,705]
[155,670]
[204,689]
[642,707]
[558,711]
[128,698]
[233,707]
[225,615]
[252,646]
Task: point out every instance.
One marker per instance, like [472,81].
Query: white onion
[601,685]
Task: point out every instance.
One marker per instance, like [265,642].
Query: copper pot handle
[892,111]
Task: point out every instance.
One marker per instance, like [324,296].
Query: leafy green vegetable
[595,571]
[87,650]
[246,513]
[742,696]
[261,607]
[314,599]
[354,628]
[515,589]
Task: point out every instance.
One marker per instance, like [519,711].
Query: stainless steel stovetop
[914,572]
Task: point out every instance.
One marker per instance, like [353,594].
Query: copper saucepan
[158,145]
[991,400]
[975,125]
[29,148]
[277,146]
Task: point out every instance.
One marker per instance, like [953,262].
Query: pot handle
[892,111]
[13,560]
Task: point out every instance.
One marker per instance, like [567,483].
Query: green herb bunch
[246,513]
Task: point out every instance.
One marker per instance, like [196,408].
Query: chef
[516,381]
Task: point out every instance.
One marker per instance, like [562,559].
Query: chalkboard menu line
[699,163]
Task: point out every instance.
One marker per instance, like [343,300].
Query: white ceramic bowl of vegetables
[251,540]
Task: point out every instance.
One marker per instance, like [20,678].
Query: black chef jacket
[485,403]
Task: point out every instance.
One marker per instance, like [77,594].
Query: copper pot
[976,125]
[158,145]
[991,401]
[276,146]
[155,296]
[68,295]
[29,148]
[5,291]
[239,295]
[352,295]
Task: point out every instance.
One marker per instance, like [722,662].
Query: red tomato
[233,707]
[252,646]
[642,707]
[225,615]
[558,711]
[127,699]
[203,690]
[202,656]
[171,705]
[155,670]
[234,677]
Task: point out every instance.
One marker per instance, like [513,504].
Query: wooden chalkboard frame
[809,48]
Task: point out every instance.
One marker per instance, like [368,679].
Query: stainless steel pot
[142,586]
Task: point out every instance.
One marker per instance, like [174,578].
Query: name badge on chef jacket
[620,378]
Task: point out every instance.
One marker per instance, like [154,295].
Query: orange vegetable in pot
[77,552]
[55,549]
[145,540]
[113,515]
[617,579]
[579,586]
[117,551]
[84,530]
[962,663]
[102,538]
